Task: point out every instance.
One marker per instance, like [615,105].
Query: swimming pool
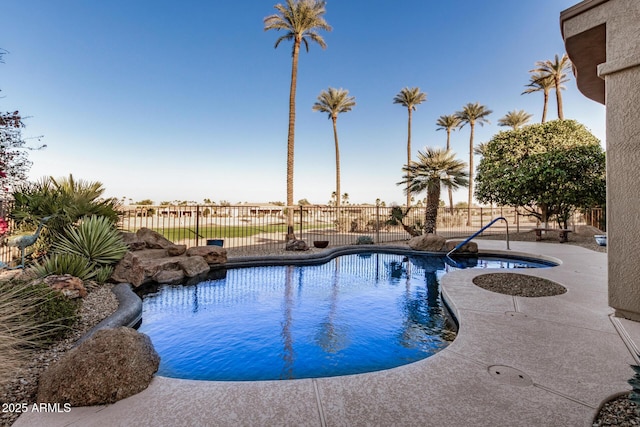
[353,314]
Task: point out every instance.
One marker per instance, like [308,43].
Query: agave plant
[95,239]
[66,199]
[73,264]
[103,274]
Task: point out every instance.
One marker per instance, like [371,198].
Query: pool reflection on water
[353,314]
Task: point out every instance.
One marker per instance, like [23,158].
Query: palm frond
[301,20]
[334,101]
[410,97]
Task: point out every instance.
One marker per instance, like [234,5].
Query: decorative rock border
[128,313]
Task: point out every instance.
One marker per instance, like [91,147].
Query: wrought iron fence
[242,227]
[248,227]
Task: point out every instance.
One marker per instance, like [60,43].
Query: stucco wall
[621,73]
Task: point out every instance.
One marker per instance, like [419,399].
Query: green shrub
[73,264]
[31,315]
[103,274]
[95,239]
[54,312]
[67,199]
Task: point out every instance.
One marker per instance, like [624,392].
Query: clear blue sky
[189,100]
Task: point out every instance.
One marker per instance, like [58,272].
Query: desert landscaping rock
[211,254]
[156,265]
[96,306]
[168,277]
[520,285]
[176,250]
[469,247]
[152,239]
[193,265]
[110,366]
[70,286]
[428,243]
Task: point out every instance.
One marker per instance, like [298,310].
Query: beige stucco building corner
[602,38]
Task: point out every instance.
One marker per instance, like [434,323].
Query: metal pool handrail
[459,245]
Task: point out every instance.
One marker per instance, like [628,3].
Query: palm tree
[472,114]
[410,98]
[555,69]
[515,119]
[300,20]
[448,123]
[542,83]
[435,168]
[334,102]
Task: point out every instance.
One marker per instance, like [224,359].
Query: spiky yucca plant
[60,263]
[95,239]
[103,274]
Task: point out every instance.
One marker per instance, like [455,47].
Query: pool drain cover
[509,375]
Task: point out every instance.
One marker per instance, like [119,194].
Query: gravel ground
[618,412]
[100,303]
[520,285]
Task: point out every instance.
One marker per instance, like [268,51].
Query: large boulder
[211,254]
[193,265]
[111,365]
[140,267]
[161,261]
[168,277]
[428,242]
[155,265]
[152,239]
[176,250]
[132,241]
[469,247]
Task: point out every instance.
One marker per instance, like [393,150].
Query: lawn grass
[227,231]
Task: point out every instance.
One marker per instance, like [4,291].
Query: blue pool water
[353,314]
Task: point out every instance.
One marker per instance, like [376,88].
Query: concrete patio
[548,361]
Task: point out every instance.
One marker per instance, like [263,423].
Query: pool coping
[569,346]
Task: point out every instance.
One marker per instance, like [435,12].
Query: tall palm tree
[544,83]
[557,70]
[435,168]
[410,98]
[300,20]
[448,123]
[515,119]
[333,102]
[472,114]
